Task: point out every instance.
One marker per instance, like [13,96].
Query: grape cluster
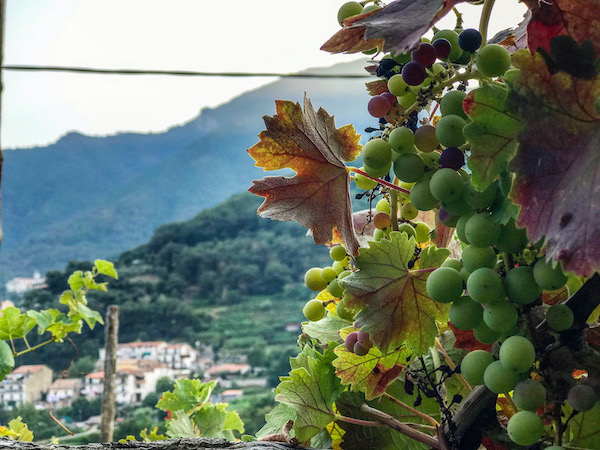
[358,342]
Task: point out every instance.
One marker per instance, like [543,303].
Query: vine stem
[379,180]
[403,428]
[451,364]
[35,347]
[416,412]
[418,271]
[485,20]
[394,206]
[361,422]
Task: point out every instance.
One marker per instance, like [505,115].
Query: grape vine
[462,312]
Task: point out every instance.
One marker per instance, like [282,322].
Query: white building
[63,391]
[25,384]
[176,356]
[21,285]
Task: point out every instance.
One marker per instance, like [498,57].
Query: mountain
[92,197]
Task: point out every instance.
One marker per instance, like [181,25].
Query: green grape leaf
[371,373]
[318,195]
[90,283]
[187,395]
[180,426]
[56,323]
[7,360]
[215,421]
[276,419]
[106,268]
[395,308]
[76,280]
[491,134]
[152,435]
[14,324]
[325,330]
[90,316]
[557,184]
[584,428]
[17,430]
[311,388]
[73,298]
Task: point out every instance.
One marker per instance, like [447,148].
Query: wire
[184,73]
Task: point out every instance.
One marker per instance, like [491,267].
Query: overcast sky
[232,36]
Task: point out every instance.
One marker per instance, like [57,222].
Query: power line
[184,73]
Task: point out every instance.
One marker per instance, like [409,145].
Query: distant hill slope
[93,197]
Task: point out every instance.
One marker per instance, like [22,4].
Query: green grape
[447,219]
[379,173]
[449,131]
[581,397]
[457,208]
[439,70]
[474,258]
[422,230]
[337,253]
[517,353]
[456,264]
[397,86]
[408,229]
[408,211]
[446,185]
[421,197]
[383,206]
[328,274]
[511,239]
[335,288]
[492,60]
[407,100]
[314,310]
[520,285]
[402,139]
[560,317]
[444,285]
[479,199]
[525,427]
[463,59]
[370,8]
[548,277]
[313,278]
[485,286]
[500,316]
[465,314]
[363,182]
[425,84]
[348,9]
[529,395]
[425,138]
[485,334]
[555,447]
[344,274]
[378,235]
[339,266]
[499,379]
[452,37]
[460,227]
[376,153]
[451,104]
[473,366]
[343,311]
[409,167]
[480,230]
[401,58]
[465,274]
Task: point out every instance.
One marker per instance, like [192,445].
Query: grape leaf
[56,323]
[557,167]
[394,306]
[7,360]
[311,388]
[106,268]
[14,324]
[351,40]
[276,419]
[491,134]
[215,421]
[187,395]
[579,19]
[180,426]
[584,428]
[325,330]
[466,339]
[555,297]
[372,373]
[318,195]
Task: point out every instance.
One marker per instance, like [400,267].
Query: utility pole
[111,341]
[2,20]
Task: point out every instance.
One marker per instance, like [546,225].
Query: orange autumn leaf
[317,196]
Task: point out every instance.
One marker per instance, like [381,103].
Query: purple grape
[443,214]
[351,340]
[378,106]
[390,97]
[425,54]
[452,158]
[414,73]
[364,339]
[443,47]
[470,40]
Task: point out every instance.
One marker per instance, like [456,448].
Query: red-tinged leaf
[371,373]
[557,165]
[592,336]
[491,445]
[350,39]
[579,19]
[377,87]
[443,236]
[513,39]
[318,195]
[395,308]
[466,339]
[555,297]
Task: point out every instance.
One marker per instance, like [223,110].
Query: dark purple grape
[443,47]
[453,158]
[390,97]
[351,341]
[414,73]
[425,54]
[385,65]
[469,40]
[364,339]
[443,214]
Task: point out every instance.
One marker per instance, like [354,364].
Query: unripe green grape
[422,230]
[480,230]
[479,199]
[314,310]
[500,316]
[499,379]
[560,317]
[397,86]
[447,219]
[547,276]
[446,185]
[378,235]
[473,366]
[408,229]
[344,274]
[425,138]
[408,211]
[337,253]
[460,227]
[457,208]
[421,197]
[529,395]
[452,104]
[419,87]
[407,100]
[335,288]
[339,266]
[465,314]
[379,173]
[439,70]
[492,60]
[452,37]
[383,206]
[348,9]
[525,428]
[449,131]
[485,286]
[520,286]
[313,278]
[465,274]
[454,263]
[511,239]
[581,397]
[370,8]
[444,285]
[474,257]
[485,334]
[363,182]
[328,274]
[409,167]
[517,353]
[402,139]
[554,447]
[343,311]
[376,153]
